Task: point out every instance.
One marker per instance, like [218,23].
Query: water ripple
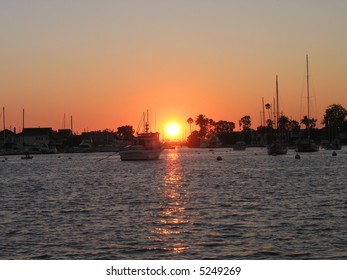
[187,205]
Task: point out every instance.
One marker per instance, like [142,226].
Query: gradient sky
[105,62]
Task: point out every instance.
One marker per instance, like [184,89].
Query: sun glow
[173,130]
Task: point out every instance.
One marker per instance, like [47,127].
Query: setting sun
[173,130]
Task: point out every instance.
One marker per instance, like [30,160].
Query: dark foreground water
[187,205]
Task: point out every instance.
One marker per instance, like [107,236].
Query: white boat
[86,146]
[277,147]
[41,149]
[307,145]
[146,146]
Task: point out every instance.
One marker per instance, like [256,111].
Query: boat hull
[306,146]
[239,146]
[132,155]
[276,149]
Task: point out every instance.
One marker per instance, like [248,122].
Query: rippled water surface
[187,205]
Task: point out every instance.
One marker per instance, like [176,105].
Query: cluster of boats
[279,147]
[147,146]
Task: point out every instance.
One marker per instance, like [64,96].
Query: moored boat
[27,156]
[307,145]
[277,147]
[332,145]
[239,146]
[146,146]
[86,146]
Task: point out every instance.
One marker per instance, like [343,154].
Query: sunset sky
[105,62]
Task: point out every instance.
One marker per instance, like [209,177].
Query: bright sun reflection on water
[173,218]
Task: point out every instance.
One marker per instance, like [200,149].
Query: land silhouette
[209,133]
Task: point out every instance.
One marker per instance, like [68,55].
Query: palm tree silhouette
[190,121]
[268,107]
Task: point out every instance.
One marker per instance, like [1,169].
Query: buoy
[334,154]
[297,156]
[219,158]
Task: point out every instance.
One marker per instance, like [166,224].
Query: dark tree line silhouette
[334,122]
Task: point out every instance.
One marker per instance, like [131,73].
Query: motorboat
[86,146]
[146,146]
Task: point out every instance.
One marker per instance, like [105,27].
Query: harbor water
[187,205]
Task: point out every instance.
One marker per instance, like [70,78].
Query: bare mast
[4,123]
[263,111]
[308,99]
[71,125]
[307,89]
[277,104]
[23,130]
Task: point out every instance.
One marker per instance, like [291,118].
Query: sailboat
[277,147]
[307,144]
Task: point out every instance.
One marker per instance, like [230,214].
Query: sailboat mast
[274,112]
[71,125]
[147,125]
[4,123]
[308,98]
[277,103]
[23,130]
[307,89]
[23,120]
[3,117]
[263,112]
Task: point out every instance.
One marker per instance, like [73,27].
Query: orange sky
[106,62]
